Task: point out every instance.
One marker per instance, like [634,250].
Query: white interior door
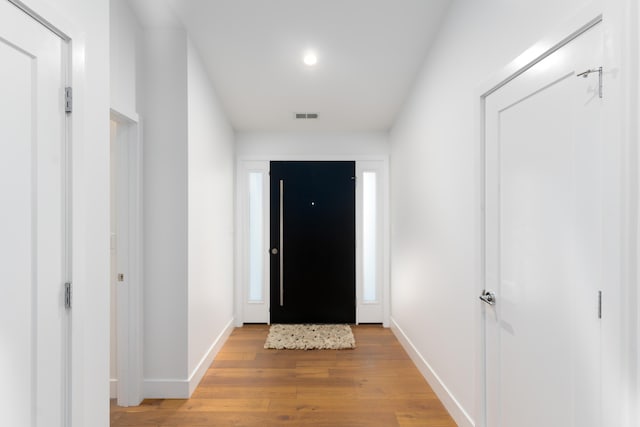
[544,242]
[32,165]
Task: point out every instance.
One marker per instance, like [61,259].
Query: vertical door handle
[281,243]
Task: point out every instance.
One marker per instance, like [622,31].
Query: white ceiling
[369,53]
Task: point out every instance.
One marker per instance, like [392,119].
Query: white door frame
[128,141]
[621,334]
[246,164]
[69,337]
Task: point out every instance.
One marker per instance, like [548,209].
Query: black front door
[313,236]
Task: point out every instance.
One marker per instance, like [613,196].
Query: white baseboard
[180,388]
[113,388]
[207,360]
[457,412]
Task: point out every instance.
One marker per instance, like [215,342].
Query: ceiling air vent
[306,115]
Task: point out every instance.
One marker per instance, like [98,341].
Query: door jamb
[129,292]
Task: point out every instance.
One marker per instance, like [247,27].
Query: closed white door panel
[31,221]
[544,231]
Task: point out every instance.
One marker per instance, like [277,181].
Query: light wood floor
[375,384]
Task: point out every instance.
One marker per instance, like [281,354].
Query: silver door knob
[274,251]
[488,297]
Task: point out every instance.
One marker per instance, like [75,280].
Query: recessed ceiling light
[310,58]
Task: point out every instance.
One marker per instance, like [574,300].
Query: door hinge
[586,73]
[67,295]
[68,99]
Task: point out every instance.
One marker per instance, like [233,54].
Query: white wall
[211,216]
[165,207]
[435,196]
[319,145]
[188,216]
[124,48]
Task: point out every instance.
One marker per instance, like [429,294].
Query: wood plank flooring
[375,384]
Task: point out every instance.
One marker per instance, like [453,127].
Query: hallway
[497,211]
[375,384]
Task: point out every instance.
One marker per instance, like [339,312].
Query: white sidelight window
[252,256]
[256,237]
[372,281]
[369,237]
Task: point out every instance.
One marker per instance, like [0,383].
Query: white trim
[119,116]
[254,312]
[633,347]
[238,282]
[181,388]
[584,19]
[313,157]
[207,359]
[620,336]
[634,338]
[373,312]
[130,298]
[41,19]
[113,388]
[386,256]
[457,412]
